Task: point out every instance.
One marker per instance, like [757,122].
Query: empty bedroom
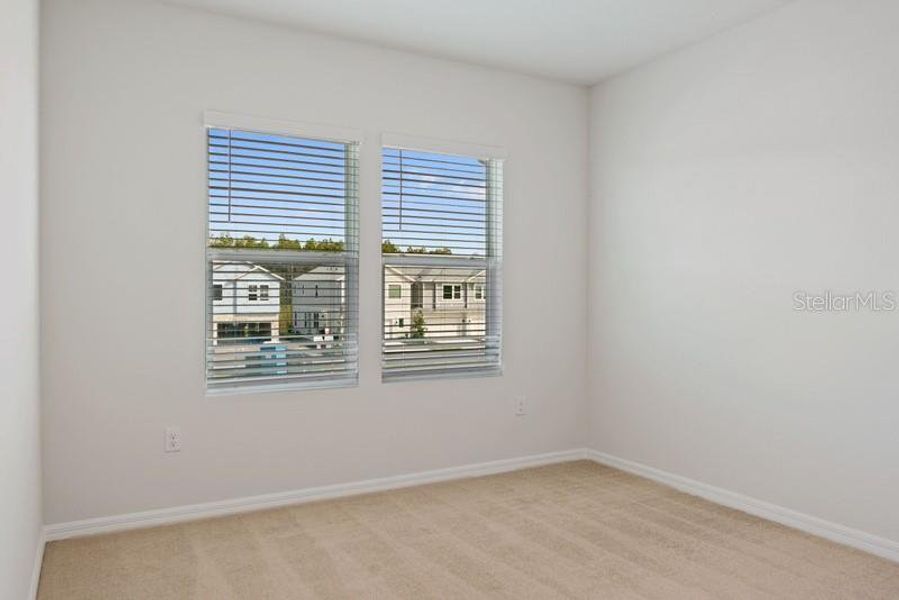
[449,299]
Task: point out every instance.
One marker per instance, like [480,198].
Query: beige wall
[20,492]
[125,85]
[724,178]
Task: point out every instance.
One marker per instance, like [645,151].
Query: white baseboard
[841,534]
[166,516]
[38,563]
[855,538]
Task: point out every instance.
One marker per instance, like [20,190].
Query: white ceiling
[581,41]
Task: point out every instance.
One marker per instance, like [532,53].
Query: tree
[247,241]
[222,241]
[313,245]
[418,325]
[327,245]
[286,244]
[283,243]
[423,250]
[285,312]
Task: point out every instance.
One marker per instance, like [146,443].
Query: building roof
[232,271]
[435,274]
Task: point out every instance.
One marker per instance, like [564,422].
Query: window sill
[269,388]
[439,375]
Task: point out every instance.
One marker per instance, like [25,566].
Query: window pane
[434,203]
[309,332]
[271,191]
[281,259]
[441,236]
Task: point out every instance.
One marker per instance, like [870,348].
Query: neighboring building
[246,302]
[319,302]
[452,301]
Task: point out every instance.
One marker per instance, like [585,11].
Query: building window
[282,222]
[441,224]
[394,291]
[244,333]
[417,293]
[452,292]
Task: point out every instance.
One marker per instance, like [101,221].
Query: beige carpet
[576,530]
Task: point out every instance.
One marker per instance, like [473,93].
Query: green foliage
[327,245]
[422,250]
[247,241]
[418,325]
[388,247]
[286,244]
[283,243]
[285,321]
[312,244]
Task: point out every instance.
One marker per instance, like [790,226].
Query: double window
[452,292]
[282,255]
[282,259]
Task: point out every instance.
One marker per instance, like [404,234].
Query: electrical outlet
[521,407]
[172,439]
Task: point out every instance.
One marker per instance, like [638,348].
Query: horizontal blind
[442,259]
[282,260]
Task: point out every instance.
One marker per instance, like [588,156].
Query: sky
[266,185]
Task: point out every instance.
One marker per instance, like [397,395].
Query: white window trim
[426,144]
[223,120]
[333,133]
[492,290]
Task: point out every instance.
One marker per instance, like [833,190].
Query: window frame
[349,258]
[492,262]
